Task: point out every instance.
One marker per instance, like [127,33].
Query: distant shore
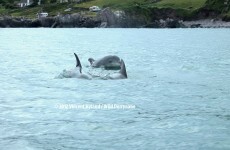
[53,22]
[108,19]
[207,23]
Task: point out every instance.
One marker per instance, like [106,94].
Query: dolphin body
[122,74]
[76,72]
[110,62]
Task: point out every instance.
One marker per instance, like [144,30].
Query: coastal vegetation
[184,8]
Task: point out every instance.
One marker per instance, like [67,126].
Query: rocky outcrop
[205,13]
[76,20]
[63,21]
[12,22]
[226,18]
[164,13]
[119,19]
[107,18]
[167,23]
[207,23]
[47,22]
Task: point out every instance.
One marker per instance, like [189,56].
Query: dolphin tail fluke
[123,69]
[78,63]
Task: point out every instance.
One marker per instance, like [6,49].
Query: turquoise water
[178,80]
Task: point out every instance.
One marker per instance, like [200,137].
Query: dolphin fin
[78,63]
[123,69]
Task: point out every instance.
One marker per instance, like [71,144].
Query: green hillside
[182,4]
[120,4]
[184,7]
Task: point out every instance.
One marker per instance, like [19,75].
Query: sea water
[178,82]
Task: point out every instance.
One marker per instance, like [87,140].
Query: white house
[94,9]
[42,15]
[24,3]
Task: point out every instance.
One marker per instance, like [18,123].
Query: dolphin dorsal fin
[123,69]
[78,63]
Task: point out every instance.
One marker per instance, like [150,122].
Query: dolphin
[122,74]
[110,62]
[76,72]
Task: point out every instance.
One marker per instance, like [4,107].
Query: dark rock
[168,23]
[205,13]
[34,24]
[3,23]
[154,24]
[120,19]
[11,22]
[195,26]
[226,18]
[164,13]
[16,23]
[76,20]
[106,15]
[47,21]
[171,23]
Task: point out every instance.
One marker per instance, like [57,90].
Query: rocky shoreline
[207,23]
[107,19]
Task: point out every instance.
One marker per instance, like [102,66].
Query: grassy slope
[115,4]
[187,6]
[27,12]
[2,9]
[219,6]
[181,4]
[30,12]
[183,7]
